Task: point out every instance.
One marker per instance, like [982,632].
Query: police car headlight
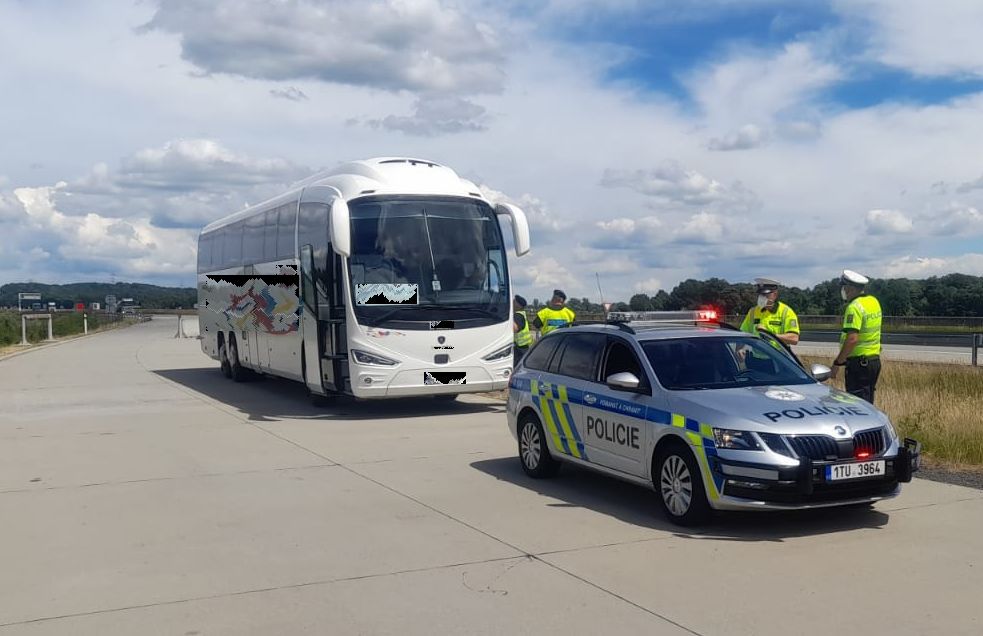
[735,440]
[364,357]
[499,354]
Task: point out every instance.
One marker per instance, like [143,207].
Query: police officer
[771,314]
[554,316]
[521,335]
[860,341]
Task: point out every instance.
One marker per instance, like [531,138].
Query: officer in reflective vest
[556,315]
[860,341]
[521,335]
[771,314]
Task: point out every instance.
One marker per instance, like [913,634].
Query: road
[908,353]
[142,493]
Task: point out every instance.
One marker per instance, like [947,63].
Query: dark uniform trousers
[861,376]
[517,354]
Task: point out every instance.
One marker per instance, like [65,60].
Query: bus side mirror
[520,226]
[341,228]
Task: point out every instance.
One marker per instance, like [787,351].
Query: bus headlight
[499,354]
[363,357]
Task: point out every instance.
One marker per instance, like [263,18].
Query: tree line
[65,296]
[956,295]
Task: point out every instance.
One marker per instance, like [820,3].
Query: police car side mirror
[623,381]
[820,372]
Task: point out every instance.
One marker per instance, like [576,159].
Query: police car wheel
[223,357]
[534,455]
[680,487]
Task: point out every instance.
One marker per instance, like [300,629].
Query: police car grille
[869,442]
[815,447]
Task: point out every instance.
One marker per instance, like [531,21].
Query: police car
[711,417]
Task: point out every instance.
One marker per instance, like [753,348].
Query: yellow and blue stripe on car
[553,403]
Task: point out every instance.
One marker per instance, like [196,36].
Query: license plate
[859,470]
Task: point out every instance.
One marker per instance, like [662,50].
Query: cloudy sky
[648,140]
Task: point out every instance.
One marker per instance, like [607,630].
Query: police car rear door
[561,391]
[616,432]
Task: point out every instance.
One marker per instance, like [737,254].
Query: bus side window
[285,232]
[269,236]
[252,240]
[204,253]
[232,245]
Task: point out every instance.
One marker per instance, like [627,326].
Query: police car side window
[540,355]
[579,357]
[621,359]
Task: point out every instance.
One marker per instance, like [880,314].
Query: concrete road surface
[142,493]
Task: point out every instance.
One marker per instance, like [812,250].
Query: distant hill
[65,296]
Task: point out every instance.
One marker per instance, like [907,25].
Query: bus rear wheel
[236,371]
[223,358]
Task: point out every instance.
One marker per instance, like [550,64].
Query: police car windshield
[685,364]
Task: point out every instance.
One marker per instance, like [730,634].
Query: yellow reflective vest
[553,319]
[781,320]
[523,337]
[863,315]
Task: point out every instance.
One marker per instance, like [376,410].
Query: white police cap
[850,277]
[767,282]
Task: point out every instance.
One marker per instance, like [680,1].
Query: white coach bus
[382,278]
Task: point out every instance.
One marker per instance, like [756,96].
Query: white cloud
[755,86]
[290,93]
[437,116]
[955,218]
[747,137]
[702,227]
[923,267]
[417,45]
[185,182]
[537,212]
[887,222]
[545,273]
[648,286]
[672,183]
[934,38]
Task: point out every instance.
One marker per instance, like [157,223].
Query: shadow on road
[575,486]
[269,399]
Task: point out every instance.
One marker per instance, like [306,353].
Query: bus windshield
[420,259]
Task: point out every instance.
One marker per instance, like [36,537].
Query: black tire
[679,486]
[534,453]
[223,358]
[237,372]
[446,397]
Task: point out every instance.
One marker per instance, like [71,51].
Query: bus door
[310,329]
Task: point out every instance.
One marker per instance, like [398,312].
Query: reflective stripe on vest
[553,319]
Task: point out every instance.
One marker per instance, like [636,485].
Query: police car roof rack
[628,320]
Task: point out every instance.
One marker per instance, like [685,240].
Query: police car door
[561,391]
[616,432]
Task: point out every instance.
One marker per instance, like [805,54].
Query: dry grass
[940,405]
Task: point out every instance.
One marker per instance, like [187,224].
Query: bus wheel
[236,371]
[445,397]
[223,358]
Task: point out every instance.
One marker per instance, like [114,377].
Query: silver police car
[710,417]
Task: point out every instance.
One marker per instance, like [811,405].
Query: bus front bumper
[377,382]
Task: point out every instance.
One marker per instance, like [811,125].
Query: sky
[648,141]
